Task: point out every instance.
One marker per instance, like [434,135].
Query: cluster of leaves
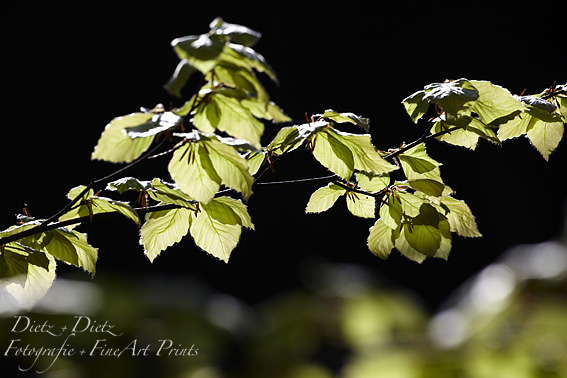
[216,150]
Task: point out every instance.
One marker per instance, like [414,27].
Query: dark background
[67,71]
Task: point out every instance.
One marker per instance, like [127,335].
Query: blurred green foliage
[508,321]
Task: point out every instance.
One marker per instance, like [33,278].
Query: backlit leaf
[37,283]
[216,229]
[545,136]
[380,239]
[415,106]
[116,146]
[162,229]
[324,198]
[391,212]
[170,194]
[454,97]
[361,205]
[494,102]
[194,173]
[372,183]
[460,217]
[128,183]
[337,117]
[333,154]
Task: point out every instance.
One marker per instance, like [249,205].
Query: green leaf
[459,137]
[361,205]
[163,229]
[428,187]
[380,239]
[415,106]
[269,111]
[230,167]
[324,198]
[91,204]
[460,217]
[372,183]
[170,194]
[494,102]
[194,173]
[246,57]
[333,154]
[402,244]
[37,282]
[337,117]
[286,140]
[411,204]
[416,160]
[515,127]
[454,97]
[221,109]
[417,165]
[72,247]
[103,205]
[364,154]
[239,209]
[391,212]
[545,136]
[425,239]
[158,123]
[200,51]
[128,183]
[217,229]
[13,263]
[116,146]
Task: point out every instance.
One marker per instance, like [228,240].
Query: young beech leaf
[459,137]
[170,194]
[380,239]
[402,244]
[365,156]
[218,226]
[460,217]
[416,106]
[230,166]
[342,153]
[194,173]
[391,212]
[494,102]
[116,146]
[427,186]
[128,183]
[545,136]
[454,97]
[37,282]
[72,247]
[222,109]
[158,123]
[372,183]
[361,205]
[337,117]
[324,198]
[417,165]
[333,154]
[200,51]
[13,263]
[91,204]
[163,229]
[239,209]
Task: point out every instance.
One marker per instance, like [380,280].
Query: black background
[67,71]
